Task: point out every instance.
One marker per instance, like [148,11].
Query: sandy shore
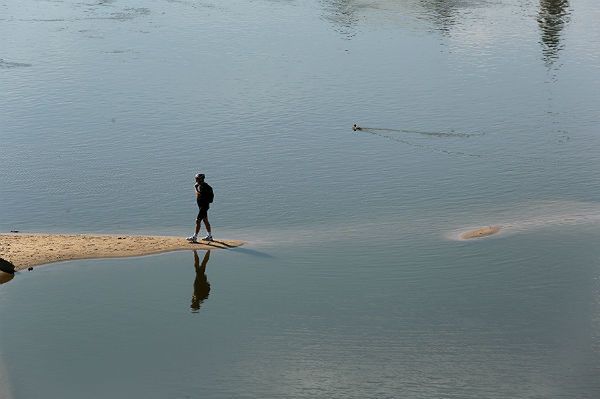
[28,250]
[481,232]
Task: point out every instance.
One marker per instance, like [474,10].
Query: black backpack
[210,194]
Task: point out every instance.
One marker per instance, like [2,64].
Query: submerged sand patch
[28,250]
[480,232]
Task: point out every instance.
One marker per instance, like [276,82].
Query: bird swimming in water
[355,127]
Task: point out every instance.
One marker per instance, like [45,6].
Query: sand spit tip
[480,232]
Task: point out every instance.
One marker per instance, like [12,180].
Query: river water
[353,283]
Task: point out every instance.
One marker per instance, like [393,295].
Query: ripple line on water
[449,133]
[7,65]
[376,132]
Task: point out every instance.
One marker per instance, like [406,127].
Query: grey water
[352,283]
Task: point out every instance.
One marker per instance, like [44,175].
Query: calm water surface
[352,284]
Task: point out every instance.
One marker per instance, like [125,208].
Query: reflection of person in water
[5,277]
[7,271]
[201,284]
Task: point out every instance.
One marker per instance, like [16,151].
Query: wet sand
[480,232]
[29,250]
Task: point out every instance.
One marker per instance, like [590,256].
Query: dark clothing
[202,213]
[201,290]
[201,195]
[201,284]
[201,199]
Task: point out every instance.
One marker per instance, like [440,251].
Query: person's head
[200,177]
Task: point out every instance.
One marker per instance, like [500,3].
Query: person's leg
[207,224]
[197,230]
[198,222]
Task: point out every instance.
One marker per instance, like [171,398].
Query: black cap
[200,176]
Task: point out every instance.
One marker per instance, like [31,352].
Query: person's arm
[205,262]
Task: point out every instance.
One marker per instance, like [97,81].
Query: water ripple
[8,65]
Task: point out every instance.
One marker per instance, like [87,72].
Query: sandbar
[29,250]
[480,232]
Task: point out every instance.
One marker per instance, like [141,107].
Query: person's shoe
[207,238]
[192,239]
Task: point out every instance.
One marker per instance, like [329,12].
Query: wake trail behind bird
[450,133]
[379,132]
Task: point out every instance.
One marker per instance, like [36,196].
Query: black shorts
[202,213]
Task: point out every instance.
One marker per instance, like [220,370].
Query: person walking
[204,197]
